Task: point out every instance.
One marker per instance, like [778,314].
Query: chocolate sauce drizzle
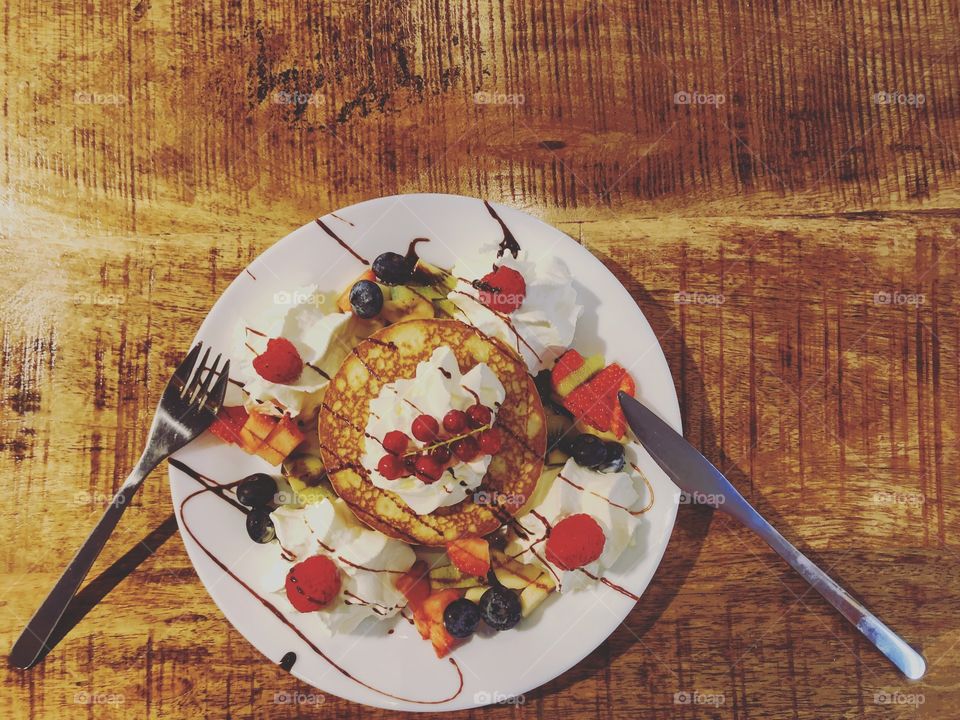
[340,240]
[287,661]
[210,485]
[509,242]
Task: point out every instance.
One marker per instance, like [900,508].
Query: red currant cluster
[465,436]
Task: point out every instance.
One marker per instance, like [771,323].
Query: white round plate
[382,662]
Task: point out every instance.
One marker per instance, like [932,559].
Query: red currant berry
[427,469]
[490,441]
[396,442]
[391,467]
[409,464]
[455,422]
[441,453]
[466,449]
[479,415]
[425,428]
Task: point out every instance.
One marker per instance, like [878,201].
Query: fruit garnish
[229,422]
[479,415]
[280,362]
[575,541]
[414,584]
[614,461]
[393,268]
[440,453]
[471,555]
[391,467]
[256,490]
[595,401]
[461,618]
[490,441]
[466,449]
[428,617]
[502,290]
[588,450]
[313,583]
[572,370]
[282,440]
[396,442]
[343,300]
[455,421]
[500,608]
[366,299]
[425,428]
[427,469]
[618,423]
[260,526]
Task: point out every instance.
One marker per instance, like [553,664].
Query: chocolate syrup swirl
[210,485]
[509,242]
[340,240]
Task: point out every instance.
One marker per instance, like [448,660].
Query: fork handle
[32,643]
[908,660]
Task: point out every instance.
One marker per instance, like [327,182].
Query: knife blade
[704,484]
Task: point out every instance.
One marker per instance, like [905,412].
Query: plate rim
[670,414]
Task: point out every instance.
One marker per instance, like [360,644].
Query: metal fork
[188,406]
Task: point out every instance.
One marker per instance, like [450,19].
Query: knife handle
[908,660]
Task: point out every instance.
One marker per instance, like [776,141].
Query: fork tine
[185,368]
[190,388]
[215,398]
[199,396]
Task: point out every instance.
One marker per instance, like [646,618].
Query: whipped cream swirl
[437,387]
[616,500]
[369,563]
[542,328]
[322,336]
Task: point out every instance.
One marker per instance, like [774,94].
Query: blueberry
[614,461]
[392,268]
[588,450]
[500,608]
[461,618]
[544,384]
[366,298]
[256,490]
[260,526]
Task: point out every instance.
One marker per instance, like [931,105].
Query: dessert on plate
[437,444]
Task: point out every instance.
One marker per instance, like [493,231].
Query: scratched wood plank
[775,183]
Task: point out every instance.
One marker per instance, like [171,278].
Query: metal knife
[696,475]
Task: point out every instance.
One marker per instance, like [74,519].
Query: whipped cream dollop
[436,388]
[322,336]
[369,564]
[542,328]
[615,500]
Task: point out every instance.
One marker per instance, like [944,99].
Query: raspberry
[313,583]
[575,541]
[280,362]
[502,290]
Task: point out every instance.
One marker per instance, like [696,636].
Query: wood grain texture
[149,150]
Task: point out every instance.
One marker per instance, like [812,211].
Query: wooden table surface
[791,167]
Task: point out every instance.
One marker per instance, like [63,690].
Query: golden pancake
[393,353]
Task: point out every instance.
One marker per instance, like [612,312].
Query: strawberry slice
[470,555]
[595,401]
[428,618]
[566,364]
[618,423]
[228,423]
[415,584]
